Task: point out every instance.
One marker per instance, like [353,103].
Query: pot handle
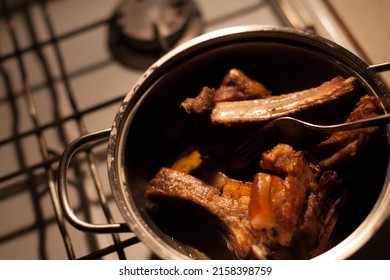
[83,142]
[381,67]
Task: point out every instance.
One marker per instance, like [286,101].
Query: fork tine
[261,140]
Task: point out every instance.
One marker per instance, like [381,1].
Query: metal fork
[294,131]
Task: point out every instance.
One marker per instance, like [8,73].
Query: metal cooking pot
[149,129]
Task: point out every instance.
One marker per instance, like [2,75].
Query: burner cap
[141,31]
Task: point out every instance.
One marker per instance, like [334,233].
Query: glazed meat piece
[287,191]
[271,213]
[237,86]
[259,110]
[202,104]
[296,206]
[342,146]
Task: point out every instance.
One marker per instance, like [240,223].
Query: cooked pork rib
[259,110]
[287,197]
[302,201]
[221,125]
[341,146]
[170,183]
[237,86]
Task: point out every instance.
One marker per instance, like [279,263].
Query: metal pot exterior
[149,127]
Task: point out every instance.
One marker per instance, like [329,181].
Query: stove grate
[47,166]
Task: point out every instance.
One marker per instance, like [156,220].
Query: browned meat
[303,208]
[287,197]
[341,146]
[274,211]
[259,110]
[202,104]
[237,86]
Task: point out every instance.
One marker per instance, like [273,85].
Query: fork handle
[381,67]
[382,119]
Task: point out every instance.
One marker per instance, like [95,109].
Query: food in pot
[265,109]
[268,213]
[232,211]
[290,205]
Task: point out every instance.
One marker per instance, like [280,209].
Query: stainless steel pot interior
[150,129]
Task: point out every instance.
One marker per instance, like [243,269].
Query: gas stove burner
[143,30]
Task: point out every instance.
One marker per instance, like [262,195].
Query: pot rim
[116,172]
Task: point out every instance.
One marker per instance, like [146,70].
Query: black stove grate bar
[61,121]
[111,249]
[43,43]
